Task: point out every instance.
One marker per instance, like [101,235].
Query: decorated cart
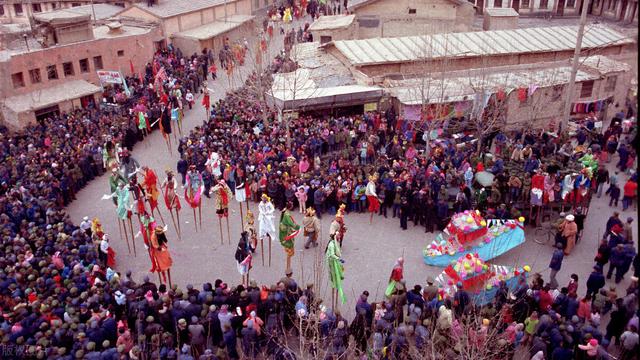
[469,233]
[478,278]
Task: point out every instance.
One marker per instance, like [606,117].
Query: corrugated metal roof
[458,86]
[215,28]
[468,44]
[500,12]
[170,8]
[329,22]
[38,99]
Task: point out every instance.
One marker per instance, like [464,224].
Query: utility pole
[566,111]
[93,10]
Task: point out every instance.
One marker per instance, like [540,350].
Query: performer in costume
[223,195]
[214,164]
[244,257]
[334,262]
[160,252]
[115,179]
[251,230]
[266,227]
[110,152]
[150,186]
[337,227]
[288,231]
[123,210]
[311,225]
[139,195]
[171,200]
[549,192]
[192,193]
[372,197]
[396,276]
[128,165]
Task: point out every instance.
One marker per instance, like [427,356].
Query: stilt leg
[178,219]
[161,217]
[262,248]
[121,224]
[169,276]
[228,234]
[200,215]
[221,237]
[174,223]
[133,239]
[269,250]
[159,277]
[195,220]
[241,217]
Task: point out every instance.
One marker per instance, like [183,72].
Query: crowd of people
[60,299]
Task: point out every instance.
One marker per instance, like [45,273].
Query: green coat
[336,270]
[288,229]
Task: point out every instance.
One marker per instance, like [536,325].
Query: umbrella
[484,178]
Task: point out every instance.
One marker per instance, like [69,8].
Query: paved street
[369,250]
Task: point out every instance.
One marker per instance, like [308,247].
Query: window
[556,93]
[34,74]
[84,65]
[571,3]
[1,10]
[586,89]
[97,62]
[36,7]
[17,8]
[18,80]
[67,69]
[120,53]
[75,4]
[325,39]
[497,3]
[54,6]
[412,11]
[611,83]
[52,72]
[545,3]
[525,4]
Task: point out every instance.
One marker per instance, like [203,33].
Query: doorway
[560,10]
[46,112]
[516,5]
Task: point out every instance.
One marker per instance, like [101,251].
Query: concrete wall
[138,49]
[337,34]
[394,19]
[544,107]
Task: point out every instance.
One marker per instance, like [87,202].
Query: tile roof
[38,99]
[212,29]
[170,8]
[332,22]
[471,44]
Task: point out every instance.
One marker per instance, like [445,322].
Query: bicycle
[545,234]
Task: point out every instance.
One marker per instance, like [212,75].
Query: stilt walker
[337,228]
[265,221]
[288,230]
[115,180]
[253,235]
[241,196]
[123,210]
[147,226]
[206,100]
[193,193]
[150,186]
[244,257]
[160,251]
[165,126]
[139,197]
[372,197]
[223,197]
[169,186]
[335,264]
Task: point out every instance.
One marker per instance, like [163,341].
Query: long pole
[93,10]
[566,111]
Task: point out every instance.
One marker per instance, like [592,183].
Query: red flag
[131,67]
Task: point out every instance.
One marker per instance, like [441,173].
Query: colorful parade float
[469,233]
[478,278]
[463,248]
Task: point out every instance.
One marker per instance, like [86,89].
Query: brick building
[21,11]
[57,71]
[387,18]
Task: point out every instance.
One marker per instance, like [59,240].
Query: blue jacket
[618,256]
[556,259]
[596,281]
